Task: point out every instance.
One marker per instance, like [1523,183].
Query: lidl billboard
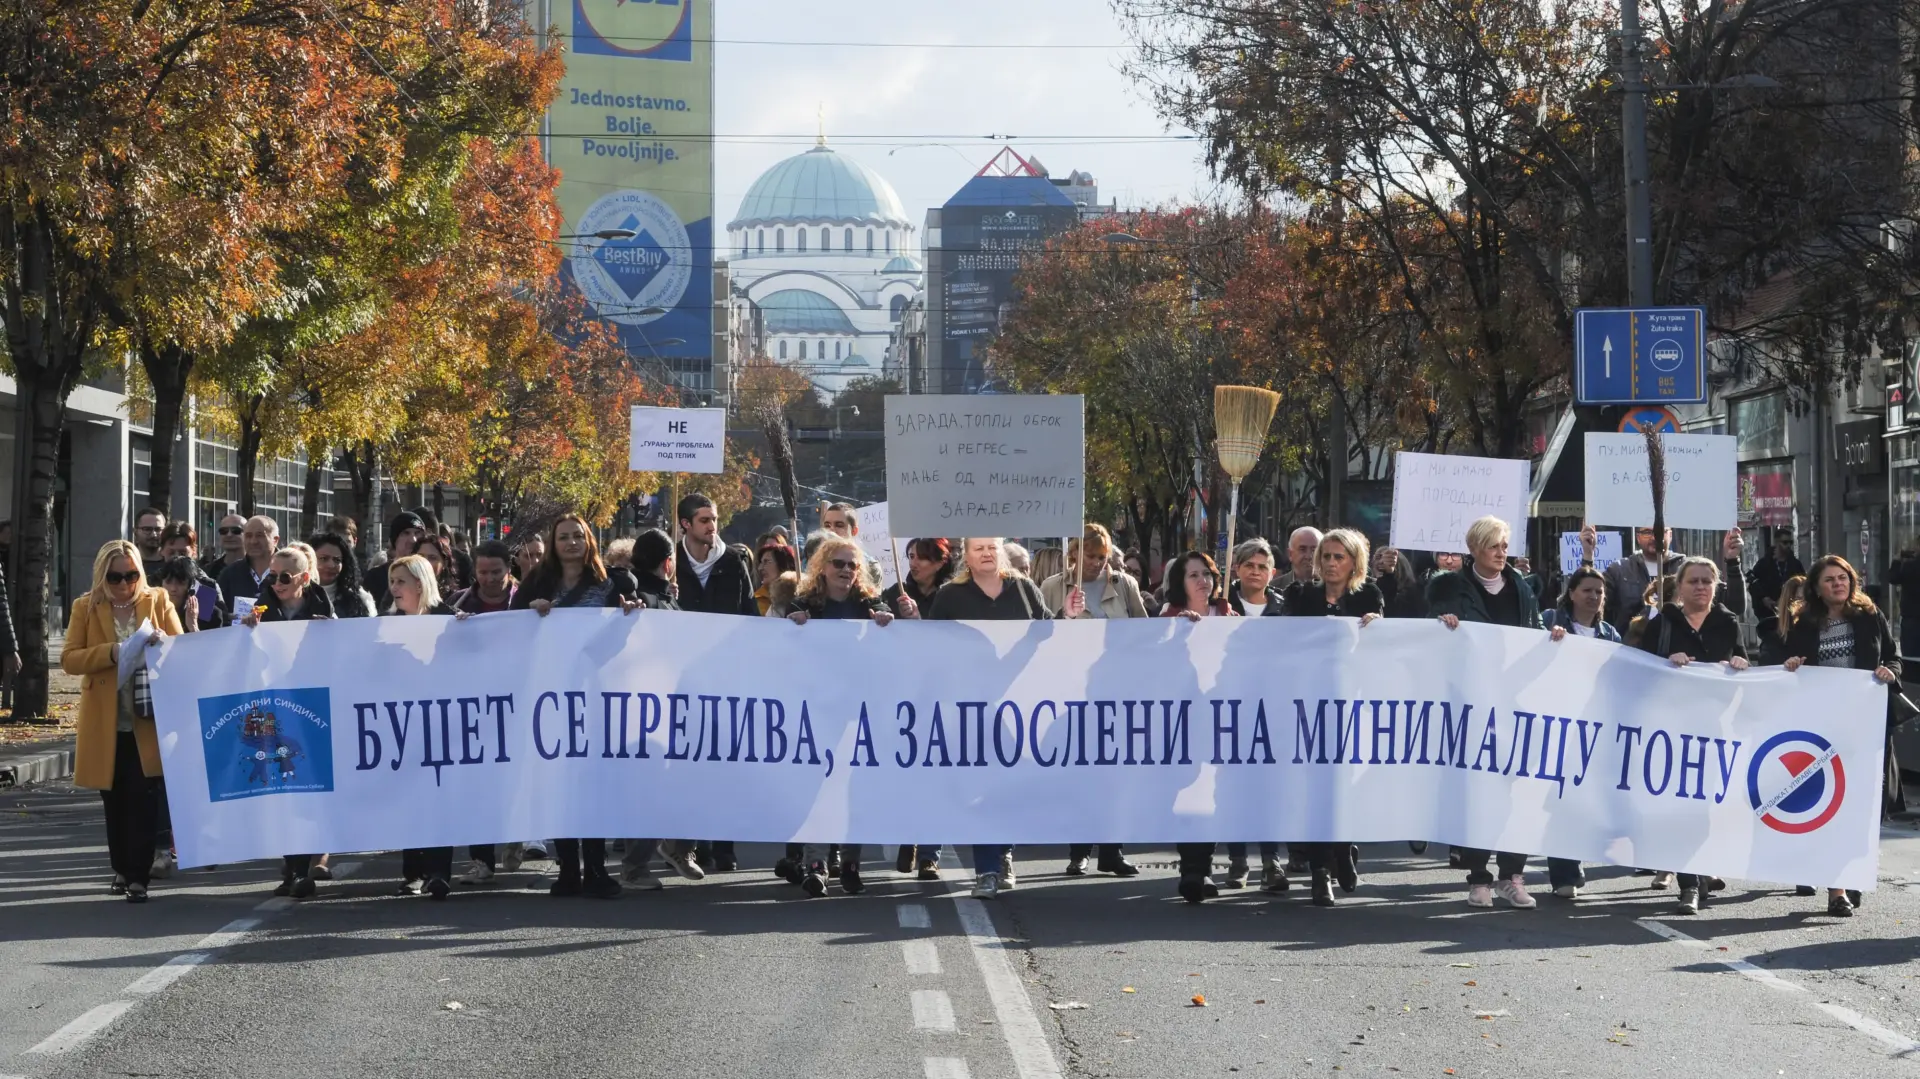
[632,136]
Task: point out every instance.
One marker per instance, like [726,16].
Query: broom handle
[1233,513]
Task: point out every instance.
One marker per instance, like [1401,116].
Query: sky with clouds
[903,93]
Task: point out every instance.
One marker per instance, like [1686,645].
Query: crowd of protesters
[1684,609]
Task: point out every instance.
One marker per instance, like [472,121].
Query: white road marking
[228,934]
[49,852]
[923,957]
[75,1034]
[932,1010]
[937,1068]
[914,916]
[1890,1038]
[166,973]
[1026,1040]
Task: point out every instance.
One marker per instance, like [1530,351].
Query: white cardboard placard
[1701,482]
[876,534]
[986,464]
[678,440]
[1436,496]
[1606,550]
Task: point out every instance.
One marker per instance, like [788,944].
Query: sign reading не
[678,440]
[986,465]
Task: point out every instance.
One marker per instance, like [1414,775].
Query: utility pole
[1633,131]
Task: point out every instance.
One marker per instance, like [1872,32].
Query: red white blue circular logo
[1796,782]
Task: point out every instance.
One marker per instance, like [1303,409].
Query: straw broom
[1241,416]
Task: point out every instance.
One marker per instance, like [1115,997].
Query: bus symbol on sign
[1667,355]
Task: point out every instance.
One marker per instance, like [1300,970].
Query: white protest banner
[1436,496]
[1701,485]
[876,535]
[986,464]
[1606,550]
[383,733]
[678,440]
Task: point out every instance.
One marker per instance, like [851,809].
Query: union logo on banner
[1796,782]
[270,742]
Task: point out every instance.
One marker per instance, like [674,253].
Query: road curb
[42,764]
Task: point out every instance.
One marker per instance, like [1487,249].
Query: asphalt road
[741,975]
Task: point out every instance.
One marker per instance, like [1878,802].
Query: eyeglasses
[128,577]
[231,531]
[282,577]
[841,563]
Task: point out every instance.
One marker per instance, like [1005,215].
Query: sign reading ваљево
[986,465]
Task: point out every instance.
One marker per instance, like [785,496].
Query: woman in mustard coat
[117,751]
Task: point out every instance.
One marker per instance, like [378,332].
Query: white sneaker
[164,863]
[536,851]
[1514,891]
[1567,891]
[477,873]
[640,878]
[514,856]
[1007,879]
[1480,895]
[1662,881]
[690,869]
[986,886]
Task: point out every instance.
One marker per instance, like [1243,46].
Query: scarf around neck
[703,568]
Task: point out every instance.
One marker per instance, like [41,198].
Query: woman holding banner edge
[1488,590]
[1195,591]
[1839,626]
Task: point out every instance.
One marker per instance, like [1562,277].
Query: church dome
[820,186]
[902,264]
[795,310]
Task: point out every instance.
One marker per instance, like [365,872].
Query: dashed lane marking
[932,1010]
[914,916]
[75,1034]
[937,1068]
[923,957]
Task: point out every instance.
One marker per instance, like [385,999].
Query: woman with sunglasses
[571,574]
[834,586]
[292,595]
[117,749]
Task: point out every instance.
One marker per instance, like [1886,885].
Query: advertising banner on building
[1766,494]
[632,135]
[384,733]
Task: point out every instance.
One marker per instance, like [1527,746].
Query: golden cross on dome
[820,114]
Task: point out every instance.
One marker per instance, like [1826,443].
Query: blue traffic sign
[1636,356]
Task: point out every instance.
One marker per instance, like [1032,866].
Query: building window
[889,241]
[1759,425]
[799,239]
[836,350]
[897,307]
[803,350]
[779,240]
[763,240]
[849,239]
[783,350]
[826,239]
[869,241]
[823,350]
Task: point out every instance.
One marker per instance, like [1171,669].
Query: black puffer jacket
[1717,640]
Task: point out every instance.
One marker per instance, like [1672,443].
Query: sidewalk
[40,752]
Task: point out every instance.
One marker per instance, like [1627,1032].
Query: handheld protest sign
[986,464]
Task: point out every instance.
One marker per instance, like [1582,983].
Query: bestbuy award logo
[635,280]
[649,29]
[271,742]
[1796,782]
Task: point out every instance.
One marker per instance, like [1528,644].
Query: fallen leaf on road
[1449,1071]
[1199,1001]
[1127,989]
[1497,1012]
[453,1005]
[1068,1006]
[1462,965]
[1723,947]
[1262,1000]
[1470,983]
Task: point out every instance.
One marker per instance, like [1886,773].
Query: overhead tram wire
[772,42]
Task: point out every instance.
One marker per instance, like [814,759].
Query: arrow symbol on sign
[1606,349]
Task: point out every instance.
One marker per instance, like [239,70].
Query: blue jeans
[987,856]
